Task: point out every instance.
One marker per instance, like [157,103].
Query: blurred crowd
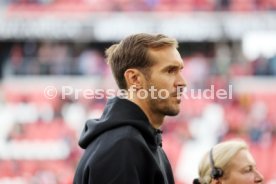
[46,58]
[54,59]
[157,5]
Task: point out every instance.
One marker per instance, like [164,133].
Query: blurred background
[48,44]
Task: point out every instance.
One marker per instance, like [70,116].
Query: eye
[249,169]
[172,70]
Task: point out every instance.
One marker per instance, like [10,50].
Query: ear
[134,77]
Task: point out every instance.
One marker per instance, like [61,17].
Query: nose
[258,177]
[180,82]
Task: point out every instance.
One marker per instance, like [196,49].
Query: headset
[216,172]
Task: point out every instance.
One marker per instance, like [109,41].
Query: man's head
[151,64]
[133,52]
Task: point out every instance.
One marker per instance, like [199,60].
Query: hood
[120,112]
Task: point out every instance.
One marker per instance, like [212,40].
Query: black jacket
[122,148]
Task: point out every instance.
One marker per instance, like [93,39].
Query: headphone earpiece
[216,172]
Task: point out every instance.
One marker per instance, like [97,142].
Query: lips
[177,97]
[179,91]
[176,94]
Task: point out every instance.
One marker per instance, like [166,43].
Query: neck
[156,120]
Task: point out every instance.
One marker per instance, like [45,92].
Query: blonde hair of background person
[235,162]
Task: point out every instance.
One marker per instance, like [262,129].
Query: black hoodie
[122,148]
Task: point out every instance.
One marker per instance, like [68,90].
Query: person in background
[124,145]
[229,162]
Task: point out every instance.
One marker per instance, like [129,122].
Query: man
[229,162]
[124,145]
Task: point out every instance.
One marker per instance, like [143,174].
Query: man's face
[243,170]
[167,80]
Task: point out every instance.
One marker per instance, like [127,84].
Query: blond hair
[132,52]
[222,155]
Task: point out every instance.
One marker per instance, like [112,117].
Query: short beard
[154,104]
